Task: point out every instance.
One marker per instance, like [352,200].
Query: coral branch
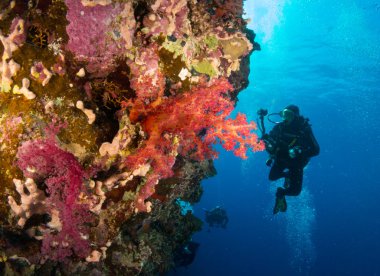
[32,202]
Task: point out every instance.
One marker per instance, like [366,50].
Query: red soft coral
[197,120]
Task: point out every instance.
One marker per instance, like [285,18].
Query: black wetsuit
[280,140]
[217,217]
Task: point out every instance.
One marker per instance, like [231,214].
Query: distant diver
[216,217]
[290,144]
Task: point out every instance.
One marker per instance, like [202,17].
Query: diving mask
[287,115]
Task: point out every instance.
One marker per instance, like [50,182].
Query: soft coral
[63,176]
[190,124]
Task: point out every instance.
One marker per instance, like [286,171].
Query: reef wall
[109,110]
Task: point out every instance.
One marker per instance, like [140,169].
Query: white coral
[122,178]
[24,89]
[121,140]
[4,13]
[93,3]
[32,202]
[9,47]
[88,112]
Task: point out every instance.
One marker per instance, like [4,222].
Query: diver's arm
[270,140]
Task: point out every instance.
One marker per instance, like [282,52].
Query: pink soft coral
[63,176]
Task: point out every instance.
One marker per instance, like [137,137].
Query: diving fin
[280,205]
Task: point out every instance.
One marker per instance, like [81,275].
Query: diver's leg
[277,171]
[280,204]
[293,187]
[295,182]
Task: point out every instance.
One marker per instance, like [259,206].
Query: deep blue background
[323,56]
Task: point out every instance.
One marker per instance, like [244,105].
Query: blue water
[323,56]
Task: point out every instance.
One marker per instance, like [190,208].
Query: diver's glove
[269,143]
[294,152]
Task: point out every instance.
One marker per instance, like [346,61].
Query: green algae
[205,67]
[211,42]
[175,47]
[234,48]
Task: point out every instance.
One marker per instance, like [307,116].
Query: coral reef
[109,111]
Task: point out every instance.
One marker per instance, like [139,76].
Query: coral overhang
[120,105]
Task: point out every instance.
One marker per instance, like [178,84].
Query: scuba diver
[290,144]
[217,217]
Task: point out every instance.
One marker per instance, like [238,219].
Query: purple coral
[39,73]
[95,34]
[20,35]
[146,77]
[168,17]
[45,162]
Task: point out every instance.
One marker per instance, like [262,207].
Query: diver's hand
[265,137]
[294,152]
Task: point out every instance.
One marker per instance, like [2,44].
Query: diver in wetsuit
[217,217]
[290,144]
